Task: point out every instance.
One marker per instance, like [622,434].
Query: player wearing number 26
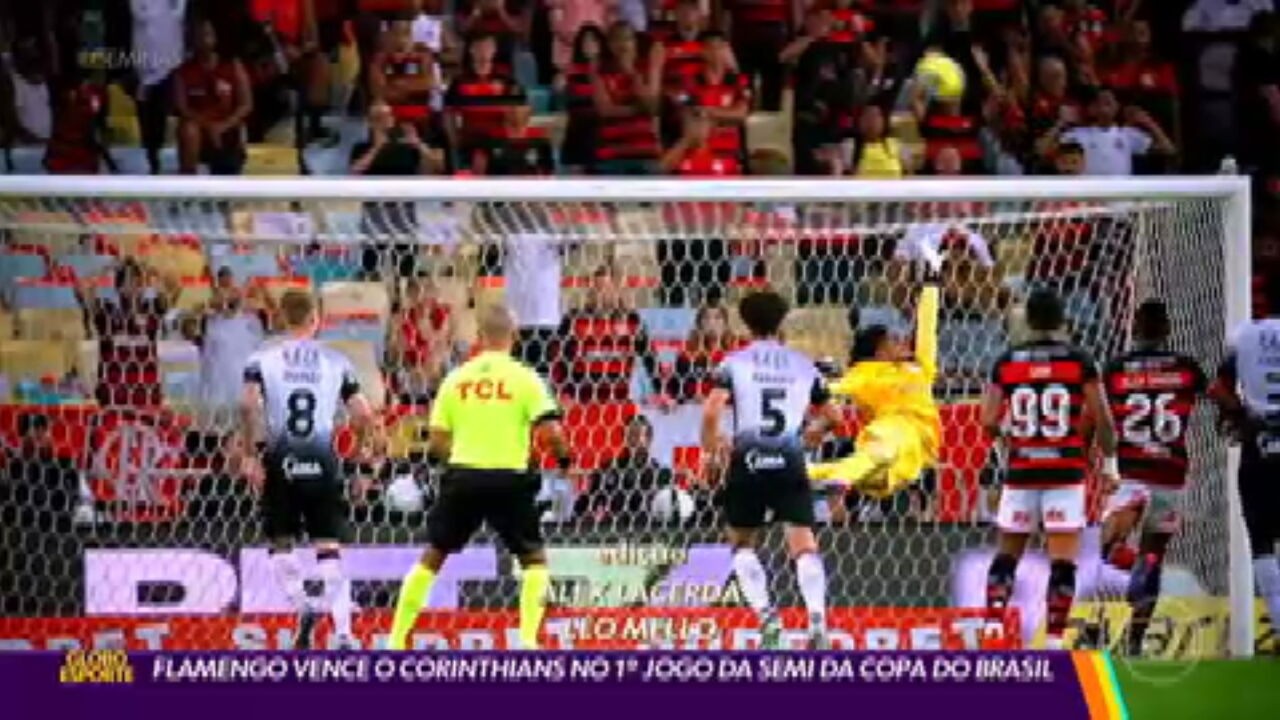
[1041,399]
[892,387]
[1153,391]
[294,390]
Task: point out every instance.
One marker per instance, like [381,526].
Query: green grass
[1207,690]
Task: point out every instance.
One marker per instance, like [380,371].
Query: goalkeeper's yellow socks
[534,581]
[413,593]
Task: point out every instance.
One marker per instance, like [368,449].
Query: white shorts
[1160,508]
[1022,510]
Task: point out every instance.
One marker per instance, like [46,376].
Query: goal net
[129,307]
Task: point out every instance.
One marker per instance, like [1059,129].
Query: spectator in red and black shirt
[626,104]
[477,102]
[849,24]
[213,99]
[598,345]
[75,144]
[576,152]
[127,328]
[695,154]
[711,340]
[1143,78]
[722,96]
[505,22]
[521,150]
[678,60]
[404,76]
[760,30]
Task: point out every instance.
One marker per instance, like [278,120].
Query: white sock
[752,580]
[1266,573]
[812,578]
[289,575]
[337,595]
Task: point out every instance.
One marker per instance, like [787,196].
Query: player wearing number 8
[301,384]
[1038,397]
[1153,391]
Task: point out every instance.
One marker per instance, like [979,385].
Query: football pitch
[1206,690]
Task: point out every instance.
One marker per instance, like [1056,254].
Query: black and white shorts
[763,479]
[1260,491]
[303,491]
[505,499]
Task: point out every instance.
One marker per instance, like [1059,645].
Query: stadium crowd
[841,88]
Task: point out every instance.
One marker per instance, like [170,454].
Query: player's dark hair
[1045,312]
[763,313]
[867,342]
[1151,324]
[297,307]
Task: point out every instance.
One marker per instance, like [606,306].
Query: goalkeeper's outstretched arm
[927,325]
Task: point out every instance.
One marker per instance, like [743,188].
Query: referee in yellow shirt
[483,419]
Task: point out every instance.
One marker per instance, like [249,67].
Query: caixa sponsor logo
[296,469]
[124,581]
[764,460]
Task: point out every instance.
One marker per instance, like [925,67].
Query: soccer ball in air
[670,504]
[942,75]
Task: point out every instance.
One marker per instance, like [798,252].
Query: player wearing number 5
[293,391]
[1153,392]
[1040,401]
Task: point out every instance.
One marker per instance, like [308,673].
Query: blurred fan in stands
[213,99]
[158,33]
[598,345]
[37,501]
[711,340]
[228,330]
[127,327]
[26,114]
[620,492]
[419,341]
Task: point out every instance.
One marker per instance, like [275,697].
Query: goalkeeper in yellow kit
[891,385]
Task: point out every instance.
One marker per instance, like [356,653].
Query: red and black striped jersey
[482,103]
[1043,384]
[684,62]
[631,137]
[1152,395]
[728,139]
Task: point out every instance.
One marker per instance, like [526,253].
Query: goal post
[539,245]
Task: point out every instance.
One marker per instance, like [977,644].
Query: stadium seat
[371,330]
[968,347]
[246,266]
[819,331]
[86,265]
[86,361]
[15,266]
[44,294]
[176,260]
[885,315]
[193,296]
[65,324]
[668,323]
[768,130]
[464,328]
[490,291]
[365,359]
[179,371]
[35,359]
[321,269]
[354,298]
[271,160]
[56,230]
[6,325]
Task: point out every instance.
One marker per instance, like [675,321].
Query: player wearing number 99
[1153,391]
[1041,397]
[772,388]
[301,385]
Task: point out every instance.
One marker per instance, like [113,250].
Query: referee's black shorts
[1260,496]
[505,499]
